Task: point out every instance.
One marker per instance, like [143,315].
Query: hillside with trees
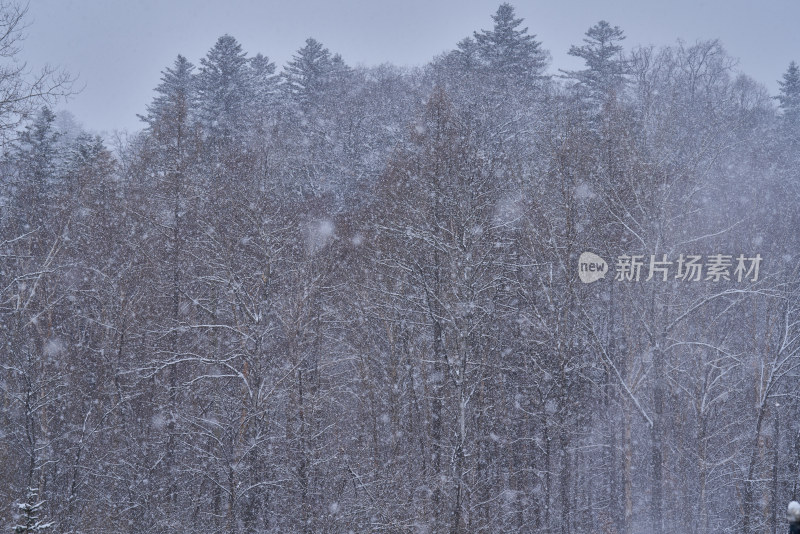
[325,298]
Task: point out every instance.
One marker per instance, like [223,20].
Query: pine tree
[37,146]
[507,50]
[606,69]
[224,84]
[175,102]
[789,97]
[312,72]
[37,157]
[29,515]
[264,82]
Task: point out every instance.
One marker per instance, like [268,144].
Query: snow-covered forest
[321,298]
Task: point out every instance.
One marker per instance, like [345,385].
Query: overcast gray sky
[118,48]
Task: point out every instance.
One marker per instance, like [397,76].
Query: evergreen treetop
[789,94]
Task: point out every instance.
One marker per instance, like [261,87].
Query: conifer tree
[312,72]
[175,101]
[29,512]
[264,82]
[789,97]
[224,86]
[37,157]
[606,68]
[507,49]
[37,143]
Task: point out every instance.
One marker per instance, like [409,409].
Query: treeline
[338,299]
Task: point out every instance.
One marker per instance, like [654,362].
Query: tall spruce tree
[789,96]
[37,158]
[507,49]
[37,146]
[264,82]
[224,87]
[175,102]
[312,72]
[606,68]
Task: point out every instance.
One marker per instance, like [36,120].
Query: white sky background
[118,48]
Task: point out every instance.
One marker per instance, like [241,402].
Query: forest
[326,298]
